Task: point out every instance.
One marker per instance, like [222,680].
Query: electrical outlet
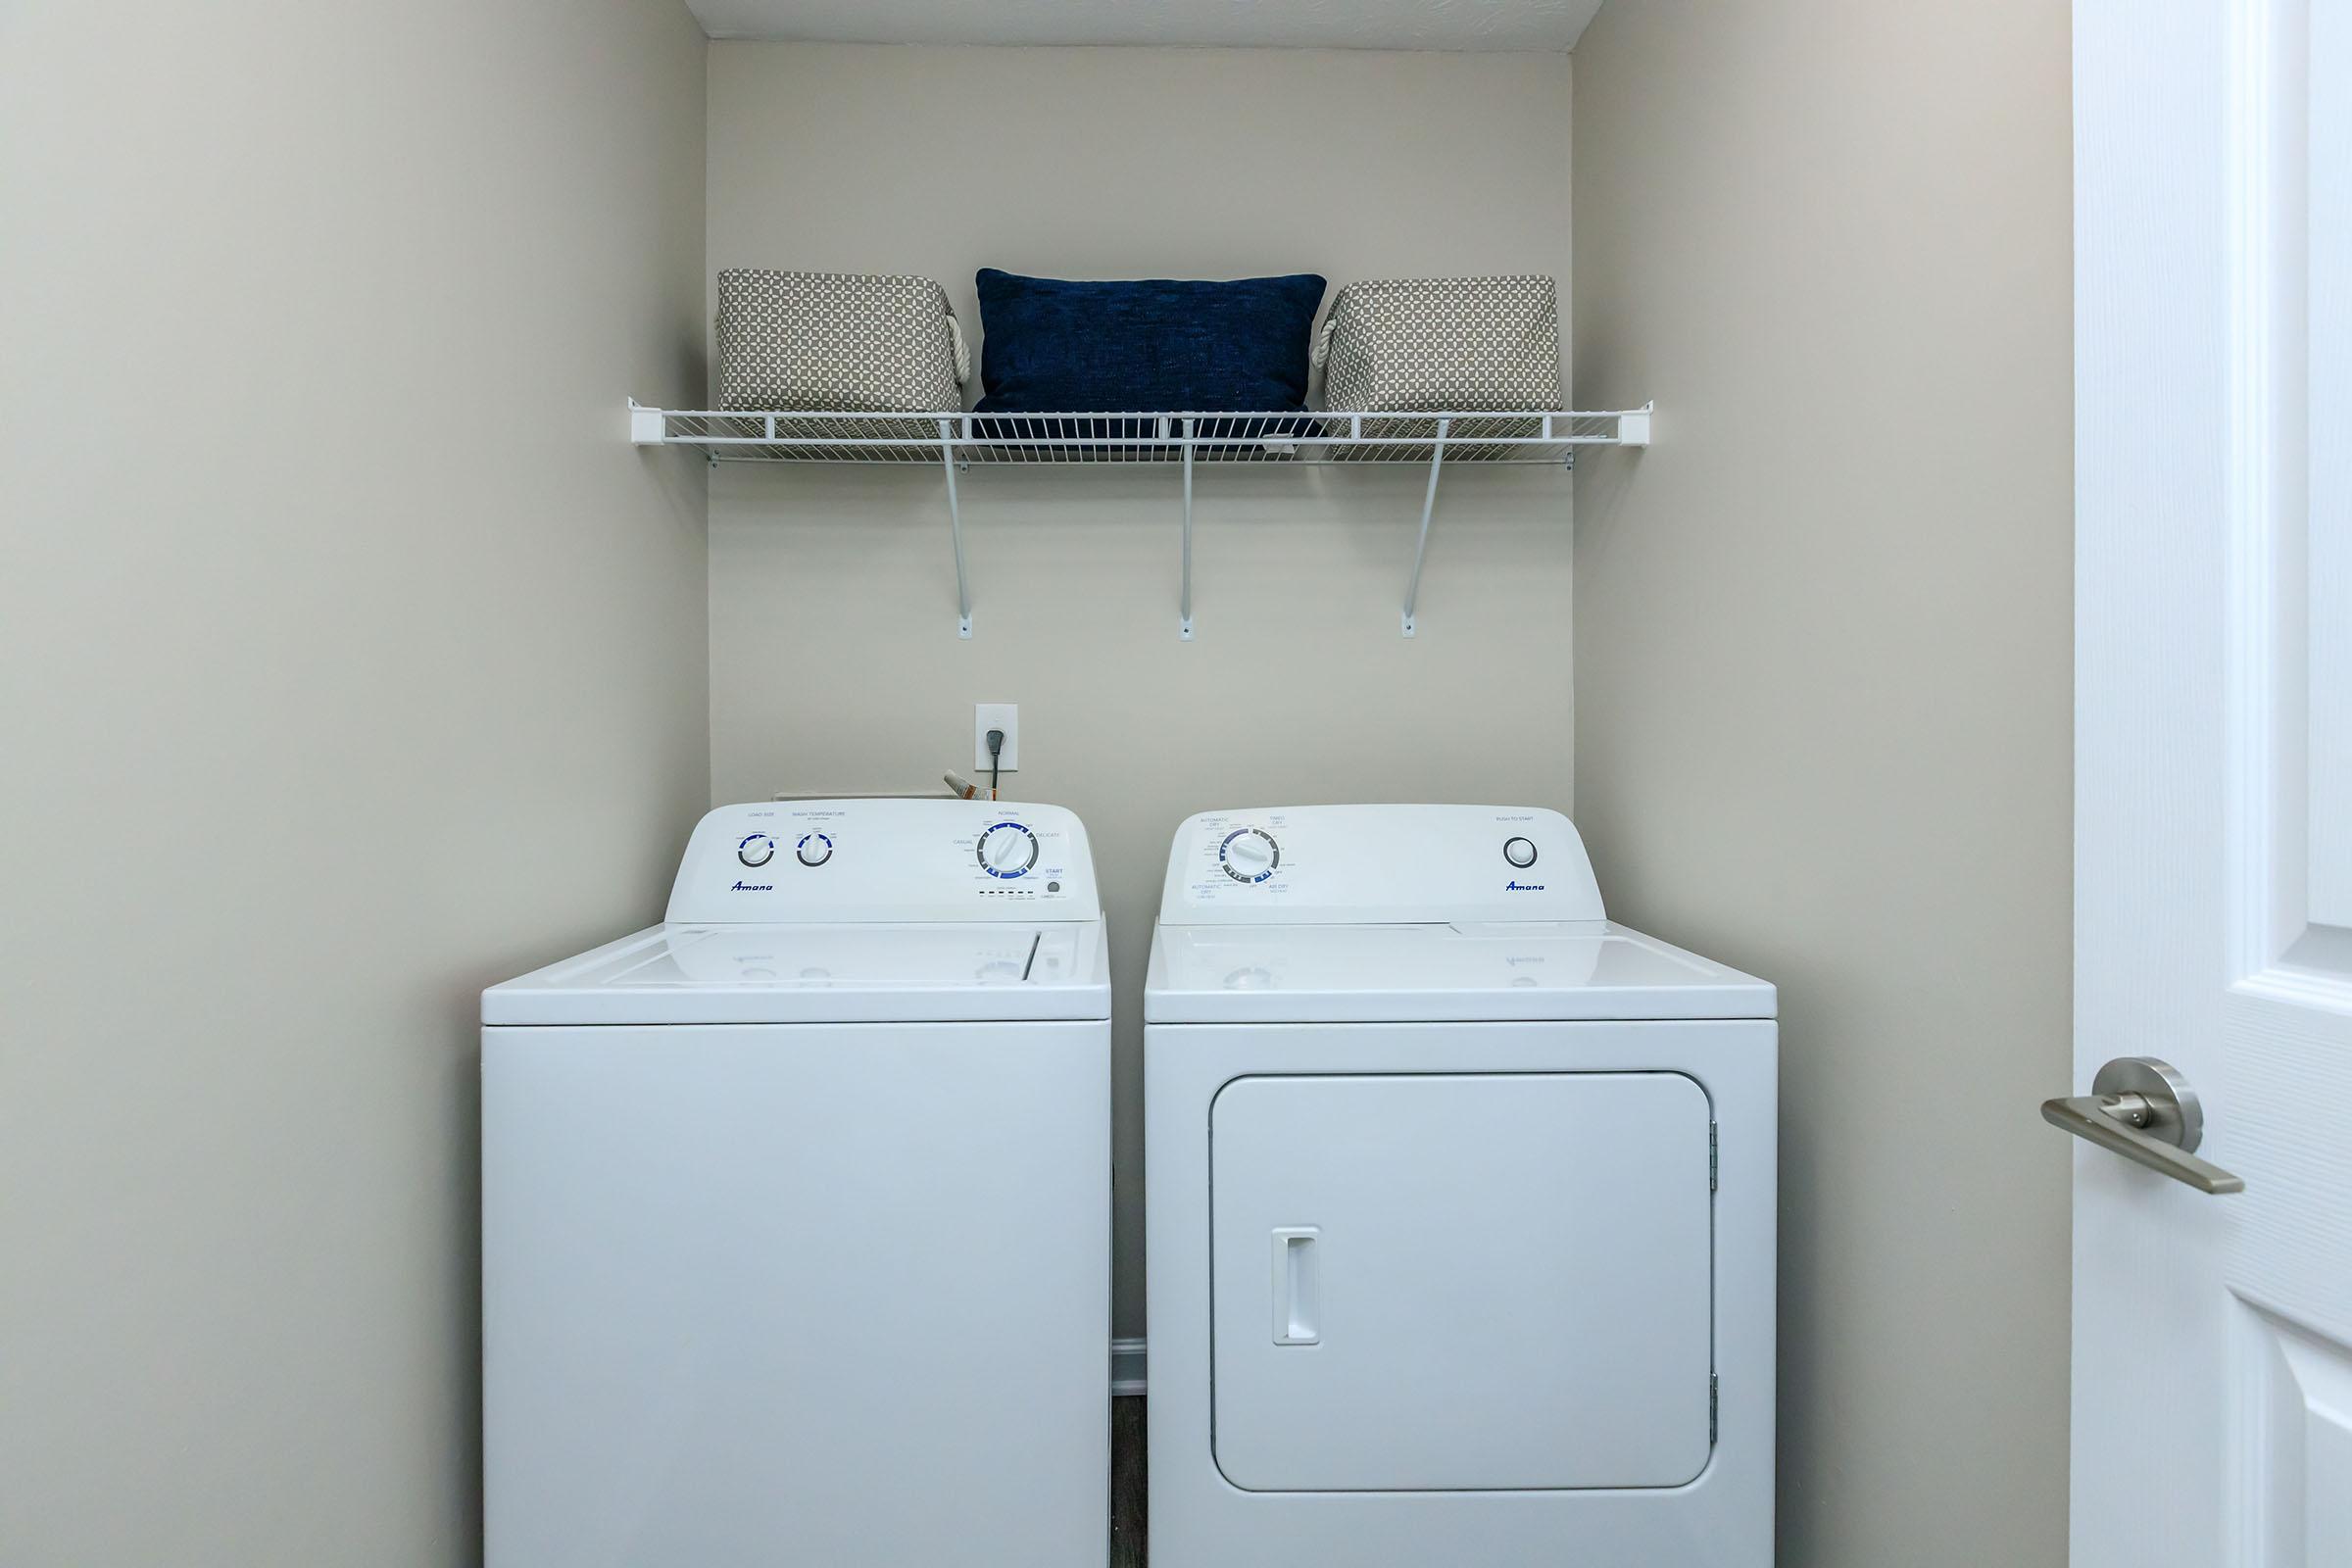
[1005,716]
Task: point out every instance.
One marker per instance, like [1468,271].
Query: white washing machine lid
[958,972]
[1466,972]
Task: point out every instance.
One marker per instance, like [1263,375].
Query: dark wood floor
[1129,1508]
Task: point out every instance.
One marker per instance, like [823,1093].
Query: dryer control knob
[814,850]
[1250,855]
[1521,853]
[756,848]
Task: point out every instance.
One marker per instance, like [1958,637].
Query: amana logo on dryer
[1514,887]
[753,887]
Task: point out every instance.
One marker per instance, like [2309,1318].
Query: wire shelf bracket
[964,586]
[1184,602]
[958,440]
[1429,505]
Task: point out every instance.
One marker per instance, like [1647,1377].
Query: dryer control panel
[1378,865]
[784,862]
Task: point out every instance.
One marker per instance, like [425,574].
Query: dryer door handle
[1297,1284]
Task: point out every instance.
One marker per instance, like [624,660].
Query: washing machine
[1459,1203]
[796,1209]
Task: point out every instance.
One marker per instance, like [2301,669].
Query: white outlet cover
[1005,716]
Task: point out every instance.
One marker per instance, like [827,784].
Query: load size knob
[756,848]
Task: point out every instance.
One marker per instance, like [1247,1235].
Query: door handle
[1298,1286]
[2143,1109]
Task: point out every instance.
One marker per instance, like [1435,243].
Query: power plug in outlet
[1005,716]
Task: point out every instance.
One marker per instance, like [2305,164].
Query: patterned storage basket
[1441,345]
[1412,345]
[838,341]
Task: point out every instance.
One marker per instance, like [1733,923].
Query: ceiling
[1535,25]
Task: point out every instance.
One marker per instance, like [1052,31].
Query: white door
[2213,1333]
[1446,1282]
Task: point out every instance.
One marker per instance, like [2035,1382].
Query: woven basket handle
[963,353]
[1322,348]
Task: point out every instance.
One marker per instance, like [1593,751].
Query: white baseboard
[1127,1367]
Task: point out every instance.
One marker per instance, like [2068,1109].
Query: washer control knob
[814,849]
[1007,849]
[1521,853]
[756,848]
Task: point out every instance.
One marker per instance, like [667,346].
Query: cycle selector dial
[814,849]
[1250,855]
[1007,849]
[756,848]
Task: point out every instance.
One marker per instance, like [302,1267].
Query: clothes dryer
[1460,1206]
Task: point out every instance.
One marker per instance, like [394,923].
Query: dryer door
[1432,1282]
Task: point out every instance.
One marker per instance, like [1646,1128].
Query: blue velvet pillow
[1052,345]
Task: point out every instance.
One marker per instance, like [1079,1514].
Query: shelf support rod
[963,591]
[1184,625]
[1429,504]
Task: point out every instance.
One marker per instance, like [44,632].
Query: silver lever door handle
[2143,1109]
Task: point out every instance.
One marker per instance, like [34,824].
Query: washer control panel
[791,861]
[1378,864]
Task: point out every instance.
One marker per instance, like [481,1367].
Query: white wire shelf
[805,436]
[957,441]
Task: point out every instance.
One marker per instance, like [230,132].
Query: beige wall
[1823,678]
[350,658]
[834,655]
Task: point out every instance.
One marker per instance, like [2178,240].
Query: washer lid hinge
[1714,1406]
[1714,1159]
